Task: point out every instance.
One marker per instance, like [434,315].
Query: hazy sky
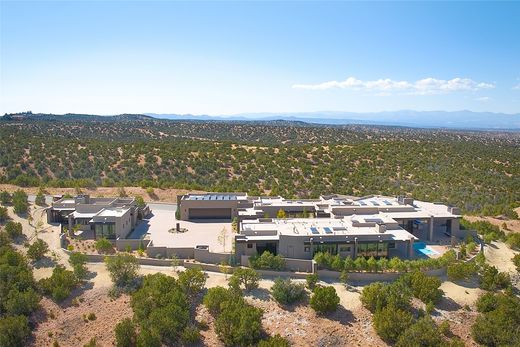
[231,57]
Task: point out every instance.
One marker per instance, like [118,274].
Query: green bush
[499,326]
[190,335]
[239,324]
[123,269]
[491,279]
[461,271]
[20,203]
[424,288]
[424,332]
[377,296]
[5,198]
[37,249]
[125,333]
[13,229]
[162,309]
[40,199]
[312,280]
[516,261]
[216,296]
[484,228]
[14,331]
[60,284]
[513,240]
[192,281]
[267,261]
[22,302]
[287,292]
[274,341]
[487,302]
[246,277]
[77,261]
[324,299]
[103,245]
[3,214]
[390,322]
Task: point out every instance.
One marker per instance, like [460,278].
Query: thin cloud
[483,98]
[517,86]
[420,87]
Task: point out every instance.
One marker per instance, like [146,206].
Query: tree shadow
[75,293]
[341,315]
[44,263]
[259,293]
[448,304]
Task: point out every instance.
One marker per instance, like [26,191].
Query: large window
[107,230]
[373,249]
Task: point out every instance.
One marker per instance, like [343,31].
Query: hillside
[478,171]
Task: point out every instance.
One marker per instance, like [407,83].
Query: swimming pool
[422,248]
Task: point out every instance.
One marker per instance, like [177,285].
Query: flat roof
[323,227]
[213,197]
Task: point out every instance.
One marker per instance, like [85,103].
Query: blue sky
[232,57]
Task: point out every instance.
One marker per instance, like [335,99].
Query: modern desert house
[106,217]
[369,226]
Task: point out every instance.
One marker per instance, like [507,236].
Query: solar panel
[327,230]
[387,202]
[314,230]
[374,203]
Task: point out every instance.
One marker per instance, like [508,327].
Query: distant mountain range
[417,119]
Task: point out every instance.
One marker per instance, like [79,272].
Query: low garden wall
[132,244]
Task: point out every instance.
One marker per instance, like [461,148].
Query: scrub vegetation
[477,171]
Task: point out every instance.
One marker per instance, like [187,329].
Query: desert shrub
[14,331]
[274,341]
[125,333]
[60,284]
[267,261]
[487,302]
[499,326]
[424,288]
[3,214]
[77,261]
[390,322]
[5,198]
[123,269]
[424,332]
[239,324]
[324,299]
[312,280]
[20,302]
[139,201]
[484,228]
[377,296]
[287,292]
[460,271]
[192,281]
[37,249]
[162,309]
[361,264]
[20,203]
[516,261]
[513,240]
[103,245]
[40,198]
[216,296]
[491,279]
[246,277]
[190,335]
[13,229]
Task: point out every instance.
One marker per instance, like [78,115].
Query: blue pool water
[422,248]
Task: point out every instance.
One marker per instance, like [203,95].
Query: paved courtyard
[157,227]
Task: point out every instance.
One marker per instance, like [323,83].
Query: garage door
[210,213]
